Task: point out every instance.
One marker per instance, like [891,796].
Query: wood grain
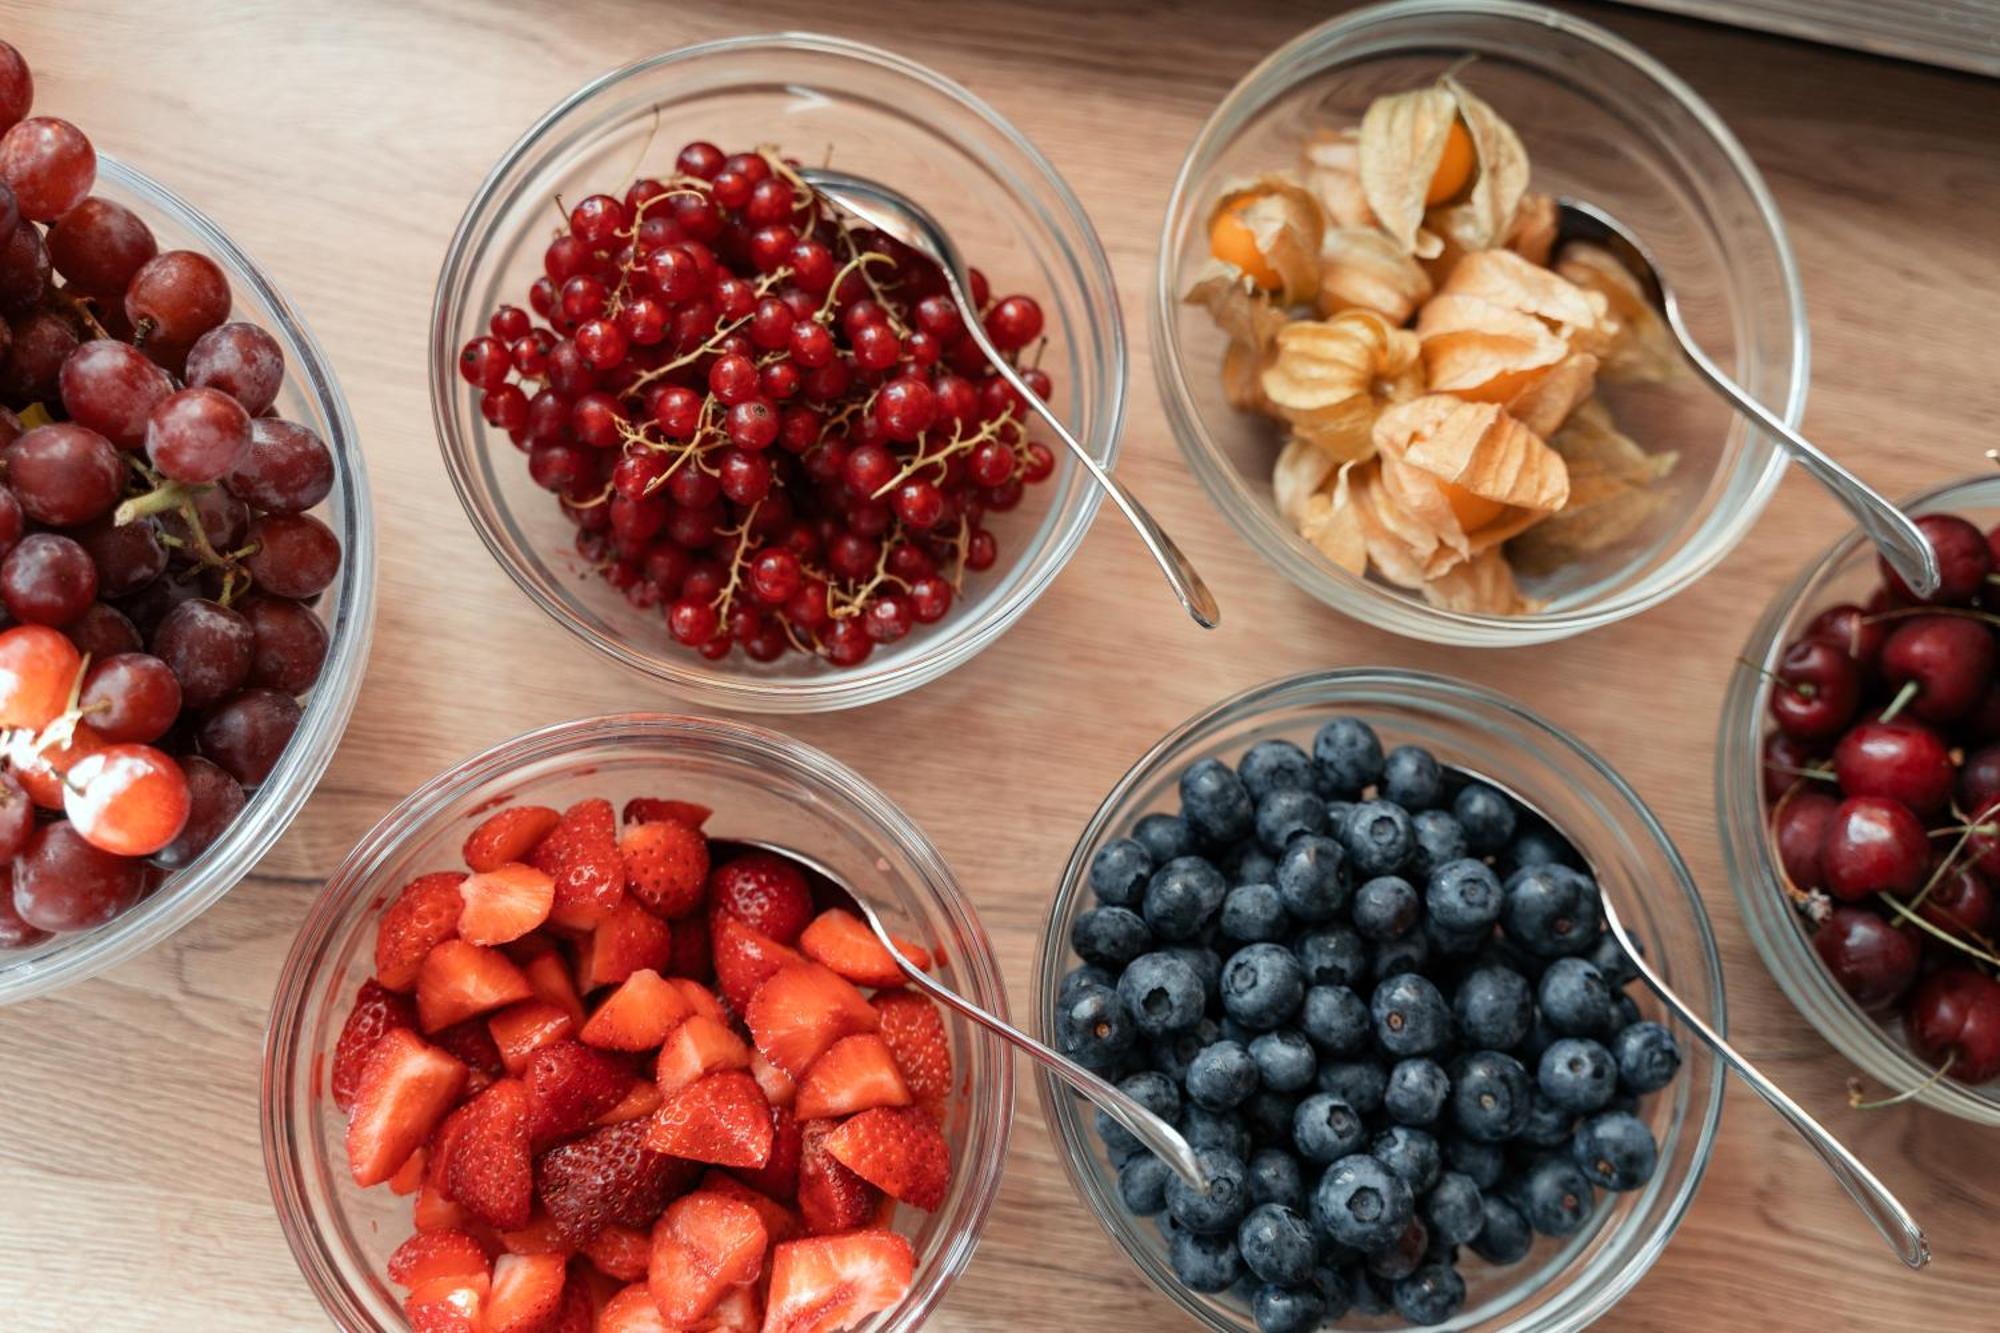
[338,140]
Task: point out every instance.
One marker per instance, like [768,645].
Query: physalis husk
[1636,345]
[1613,491]
[1269,228]
[1331,378]
[1361,268]
[1500,323]
[1465,477]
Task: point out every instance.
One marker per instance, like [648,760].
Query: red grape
[130,697]
[197,435]
[173,299]
[17,87]
[64,474]
[98,245]
[215,799]
[242,361]
[112,387]
[291,644]
[292,555]
[47,580]
[131,800]
[128,556]
[24,270]
[247,734]
[209,648]
[287,470]
[62,882]
[41,341]
[50,165]
[104,631]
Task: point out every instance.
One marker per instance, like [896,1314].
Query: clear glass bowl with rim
[876,114]
[311,397]
[760,784]
[1561,1285]
[1601,121]
[1876,1044]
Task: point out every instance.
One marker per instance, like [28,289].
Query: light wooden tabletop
[338,140]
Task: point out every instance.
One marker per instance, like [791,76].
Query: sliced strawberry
[703,1245]
[423,915]
[721,1119]
[540,1236]
[699,1046]
[778,1087]
[739,1311]
[627,939]
[377,1010]
[642,1100]
[638,1016]
[434,1254]
[527,1293]
[666,865]
[779,1176]
[803,1009]
[831,1197]
[405,1089]
[621,1252]
[521,1029]
[844,943]
[744,959]
[855,1074]
[569,1086]
[608,1176]
[578,1312]
[900,1150]
[460,981]
[504,903]
[915,1031]
[700,998]
[548,974]
[780,1222]
[447,1304]
[831,1282]
[410,1176]
[490,1170]
[765,891]
[472,1044]
[432,1211]
[581,855]
[509,835]
[692,957]
[644,809]
[633,1311]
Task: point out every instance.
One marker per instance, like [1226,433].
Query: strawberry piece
[778,1087]
[429,1255]
[703,1245]
[540,1236]
[489,1170]
[504,903]
[527,1293]
[697,1047]
[548,975]
[803,1009]
[581,855]
[569,1087]
[377,1010]
[691,956]
[460,981]
[766,892]
[405,1089]
[628,939]
[644,809]
[780,1222]
[855,1074]
[914,1029]
[509,835]
[739,1311]
[633,1311]
[900,1150]
[844,943]
[744,959]
[521,1029]
[447,1305]
[721,1119]
[779,1176]
[608,1176]
[666,865]
[578,1311]
[638,1016]
[700,999]
[433,1212]
[832,1282]
[471,1043]
[621,1252]
[424,915]
[410,1176]
[831,1197]
[641,1100]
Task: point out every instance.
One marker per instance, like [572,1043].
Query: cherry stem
[1937,1076]
[1945,935]
[1963,612]
[1902,700]
[1777,681]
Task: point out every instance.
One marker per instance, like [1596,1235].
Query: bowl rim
[1358,596]
[1053,948]
[193,889]
[838,687]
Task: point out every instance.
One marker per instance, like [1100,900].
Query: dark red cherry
[1961,902]
[1787,761]
[1955,1016]
[1964,561]
[1947,659]
[1800,824]
[1983,722]
[1817,689]
[1873,845]
[1872,960]
[1979,778]
[1899,760]
[1850,629]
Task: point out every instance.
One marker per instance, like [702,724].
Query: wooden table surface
[338,140]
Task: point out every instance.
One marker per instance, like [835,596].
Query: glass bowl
[1601,121]
[760,784]
[1561,1285]
[878,115]
[1847,572]
[312,398]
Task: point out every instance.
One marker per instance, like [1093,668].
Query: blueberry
[1253,914]
[1262,986]
[1336,818]
[1410,1016]
[1551,910]
[1312,877]
[1452,1209]
[1359,1083]
[1236,1032]
[1494,1007]
[1411,1154]
[1368,1297]
[1540,1037]
[1247,863]
[1274,765]
[1411,778]
[1273,1176]
[1431,1295]
[1110,936]
[1222,1077]
[1577,1074]
[1648,1057]
[1482,1163]
[1439,841]
[1205,1263]
[1504,1237]
[1548,1125]
[1535,845]
[1162,994]
[1490,1096]
[1277,1244]
[1285,1060]
[1119,871]
[1285,814]
[1556,1196]
[1416,1092]
[1347,757]
[1094,1029]
[1614,1150]
[1574,999]
[1325,1129]
[1088,974]
[1485,816]
[1624,1010]
[1463,895]
[1182,897]
[1164,837]
[1220,1130]
[1608,956]
[1386,908]
[1402,1257]
[1287,1309]
[1207,965]
[1362,1203]
[1142,1184]
[1447,942]
[1219,1205]
[1215,802]
[1335,1019]
[1331,1284]
[1152,1090]
[1333,956]
[1269,1116]
[1172,1055]
[1411,953]
[1378,838]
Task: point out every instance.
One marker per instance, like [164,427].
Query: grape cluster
[767,422]
[157,560]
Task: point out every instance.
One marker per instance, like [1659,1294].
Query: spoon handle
[1892,531]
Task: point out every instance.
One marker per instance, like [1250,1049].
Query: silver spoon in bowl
[1161,1138]
[1899,539]
[895,215]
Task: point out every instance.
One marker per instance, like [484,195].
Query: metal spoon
[1899,540]
[1162,1138]
[896,215]
[1882,1208]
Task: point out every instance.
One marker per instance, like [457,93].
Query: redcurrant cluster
[763,419]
